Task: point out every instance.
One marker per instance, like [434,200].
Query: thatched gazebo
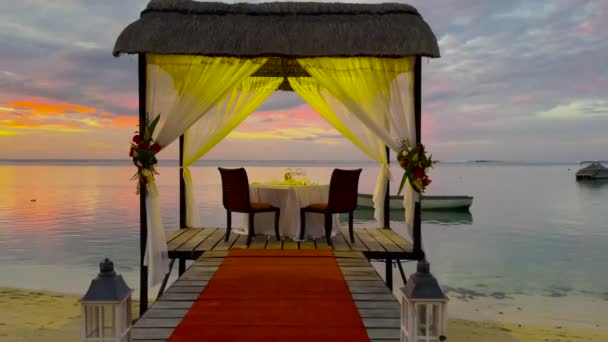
[356,64]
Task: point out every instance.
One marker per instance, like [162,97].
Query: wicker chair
[343,188]
[235,197]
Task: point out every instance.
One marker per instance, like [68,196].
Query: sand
[43,316]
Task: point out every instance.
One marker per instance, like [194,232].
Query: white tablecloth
[290,199]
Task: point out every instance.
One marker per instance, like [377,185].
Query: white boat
[428,202]
[593,171]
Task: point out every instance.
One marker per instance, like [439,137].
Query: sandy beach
[43,316]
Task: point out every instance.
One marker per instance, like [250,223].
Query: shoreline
[47,316]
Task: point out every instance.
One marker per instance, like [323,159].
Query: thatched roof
[282,29]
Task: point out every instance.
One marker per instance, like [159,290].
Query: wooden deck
[378,308]
[191,243]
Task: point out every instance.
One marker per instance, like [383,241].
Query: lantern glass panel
[108,320]
[129,313]
[422,323]
[404,312]
[92,320]
[434,321]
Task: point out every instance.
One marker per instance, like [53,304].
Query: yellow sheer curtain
[214,126]
[363,85]
[343,121]
[181,89]
[379,92]
[195,84]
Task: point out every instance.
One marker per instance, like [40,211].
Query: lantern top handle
[106,268]
[423,267]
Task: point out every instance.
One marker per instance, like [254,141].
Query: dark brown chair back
[235,189]
[343,188]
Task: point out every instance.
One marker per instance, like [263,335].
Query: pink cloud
[522,98]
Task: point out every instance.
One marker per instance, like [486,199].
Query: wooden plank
[387,243]
[166,313]
[307,244]
[382,323]
[195,272]
[151,333]
[369,289]
[207,263]
[383,333]
[181,282]
[213,255]
[358,245]
[241,242]
[380,313]
[169,296]
[290,244]
[223,245]
[185,236]
[169,304]
[197,268]
[175,234]
[369,241]
[353,262]
[340,244]
[192,289]
[358,268]
[322,243]
[374,296]
[273,243]
[211,240]
[369,283]
[355,255]
[259,242]
[360,277]
[364,272]
[398,239]
[368,304]
[205,277]
[157,322]
[202,234]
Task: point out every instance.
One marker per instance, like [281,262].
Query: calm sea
[532,230]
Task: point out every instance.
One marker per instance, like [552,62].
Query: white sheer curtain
[214,126]
[343,121]
[181,89]
[379,92]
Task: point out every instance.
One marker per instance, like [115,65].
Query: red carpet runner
[267,295]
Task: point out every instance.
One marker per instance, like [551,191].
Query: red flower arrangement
[143,151]
[416,164]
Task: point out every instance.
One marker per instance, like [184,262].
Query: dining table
[289,197]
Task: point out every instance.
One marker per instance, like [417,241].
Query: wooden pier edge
[378,308]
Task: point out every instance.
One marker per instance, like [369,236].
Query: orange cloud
[6,133]
[60,127]
[122,121]
[45,106]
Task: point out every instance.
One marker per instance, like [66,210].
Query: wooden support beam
[143,221]
[388,263]
[418,115]
[387,195]
[182,199]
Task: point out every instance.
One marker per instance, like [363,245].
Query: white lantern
[423,308]
[106,307]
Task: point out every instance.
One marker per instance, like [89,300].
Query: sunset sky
[517,80]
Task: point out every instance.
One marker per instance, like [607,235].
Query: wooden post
[417,112]
[143,220]
[388,274]
[182,199]
[387,195]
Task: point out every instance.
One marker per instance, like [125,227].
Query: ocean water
[533,230]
